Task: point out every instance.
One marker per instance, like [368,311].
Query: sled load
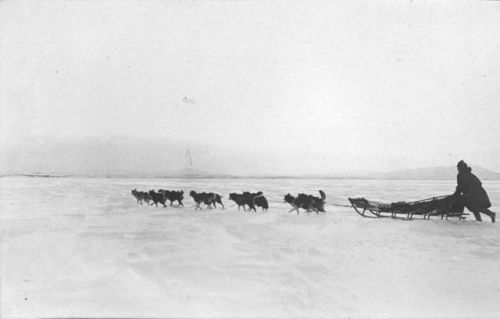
[443,206]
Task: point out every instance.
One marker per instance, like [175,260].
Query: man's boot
[478,216]
[491,214]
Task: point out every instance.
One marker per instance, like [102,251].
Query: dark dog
[238,199]
[208,199]
[256,199]
[157,198]
[261,201]
[138,196]
[173,196]
[141,196]
[214,198]
[198,198]
[147,198]
[307,202]
[250,199]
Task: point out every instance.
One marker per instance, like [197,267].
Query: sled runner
[443,206]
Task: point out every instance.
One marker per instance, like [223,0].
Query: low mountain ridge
[437,173]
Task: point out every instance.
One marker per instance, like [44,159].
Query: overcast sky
[351,85]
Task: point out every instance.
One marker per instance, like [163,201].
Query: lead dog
[141,197]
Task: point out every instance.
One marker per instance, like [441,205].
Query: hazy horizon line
[227,177]
[241,177]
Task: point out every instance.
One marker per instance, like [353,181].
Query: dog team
[247,200]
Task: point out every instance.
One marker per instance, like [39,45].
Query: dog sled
[444,206]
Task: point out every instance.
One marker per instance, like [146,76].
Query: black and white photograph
[249,159]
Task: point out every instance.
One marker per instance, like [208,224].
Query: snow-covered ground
[81,247]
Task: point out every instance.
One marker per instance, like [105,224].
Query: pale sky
[285,87]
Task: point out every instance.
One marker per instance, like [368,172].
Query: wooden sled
[443,206]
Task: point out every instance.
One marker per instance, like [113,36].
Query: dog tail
[323,196]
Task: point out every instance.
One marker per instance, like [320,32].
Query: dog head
[288,198]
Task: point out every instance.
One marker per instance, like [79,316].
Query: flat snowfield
[82,247]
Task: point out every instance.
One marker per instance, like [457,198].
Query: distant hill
[436,173]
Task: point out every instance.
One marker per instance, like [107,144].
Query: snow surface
[81,247]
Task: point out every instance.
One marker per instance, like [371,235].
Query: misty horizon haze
[129,156]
